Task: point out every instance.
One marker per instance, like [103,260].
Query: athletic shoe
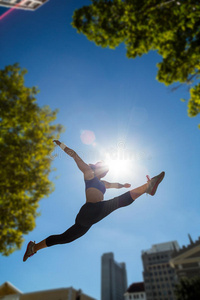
[153,183]
[29,250]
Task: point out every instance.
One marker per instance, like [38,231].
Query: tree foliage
[25,143]
[170,27]
[188,289]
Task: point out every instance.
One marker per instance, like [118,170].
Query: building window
[165,293]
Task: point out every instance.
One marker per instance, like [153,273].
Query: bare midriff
[93,195]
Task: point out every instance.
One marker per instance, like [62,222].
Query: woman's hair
[95,166]
[92,166]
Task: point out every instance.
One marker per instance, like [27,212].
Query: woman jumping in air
[95,209]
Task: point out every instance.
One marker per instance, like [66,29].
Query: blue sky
[134,118]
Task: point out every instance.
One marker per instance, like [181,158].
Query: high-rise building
[135,291]
[159,277]
[113,278]
[186,261]
[10,292]
[23,4]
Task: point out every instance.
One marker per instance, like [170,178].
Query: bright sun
[124,166]
[118,167]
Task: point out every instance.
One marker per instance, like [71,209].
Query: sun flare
[118,167]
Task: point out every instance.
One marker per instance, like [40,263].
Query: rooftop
[162,247]
[136,287]
[186,248]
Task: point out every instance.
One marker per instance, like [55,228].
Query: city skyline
[112,107]
[135,289]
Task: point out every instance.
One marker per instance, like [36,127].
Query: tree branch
[160,5]
[191,77]
[188,81]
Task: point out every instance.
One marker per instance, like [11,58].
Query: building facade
[113,278]
[23,4]
[186,261]
[135,291]
[159,277]
[10,292]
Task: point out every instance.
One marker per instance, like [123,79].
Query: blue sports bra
[95,183]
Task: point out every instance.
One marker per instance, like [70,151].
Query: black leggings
[89,214]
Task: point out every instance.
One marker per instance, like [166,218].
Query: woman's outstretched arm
[80,163]
[115,185]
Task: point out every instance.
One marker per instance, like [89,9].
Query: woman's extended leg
[40,245]
[59,238]
[139,191]
[71,234]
